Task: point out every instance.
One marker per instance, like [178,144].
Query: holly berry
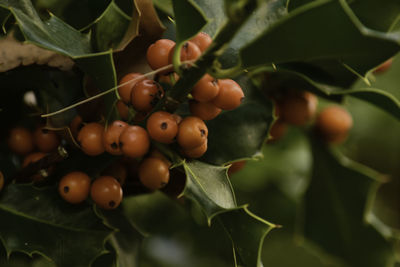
[196,152]
[202,40]
[123,110]
[189,52]
[298,108]
[1,180]
[192,133]
[146,94]
[206,89]
[74,187]
[46,140]
[204,110]
[277,130]
[333,124]
[106,192]
[134,141]
[157,54]
[33,157]
[111,137]
[76,125]
[236,166]
[153,173]
[230,95]
[126,84]
[118,170]
[162,127]
[384,66]
[90,138]
[20,141]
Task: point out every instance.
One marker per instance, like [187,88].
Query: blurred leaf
[210,188]
[214,11]
[239,133]
[383,99]
[189,19]
[311,34]
[126,240]
[165,6]
[377,15]
[334,210]
[39,221]
[379,98]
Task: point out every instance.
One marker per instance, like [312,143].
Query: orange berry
[123,110]
[298,108]
[236,166]
[33,157]
[134,141]
[162,127]
[117,170]
[1,180]
[157,54]
[204,110]
[146,94]
[277,130]
[127,83]
[384,66]
[20,141]
[90,138]
[202,40]
[230,95]
[153,173]
[189,51]
[46,140]
[106,192]
[196,152]
[206,89]
[111,137]
[192,132]
[76,125]
[74,187]
[333,124]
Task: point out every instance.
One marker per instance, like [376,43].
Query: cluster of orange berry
[132,138]
[120,138]
[332,123]
[33,146]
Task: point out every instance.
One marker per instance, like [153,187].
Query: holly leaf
[115,29]
[210,188]
[249,123]
[80,14]
[381,16]
[96,67]
[52,34]
[309,35]
[39,221]
[335,207]
[189,19]
[246,241]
